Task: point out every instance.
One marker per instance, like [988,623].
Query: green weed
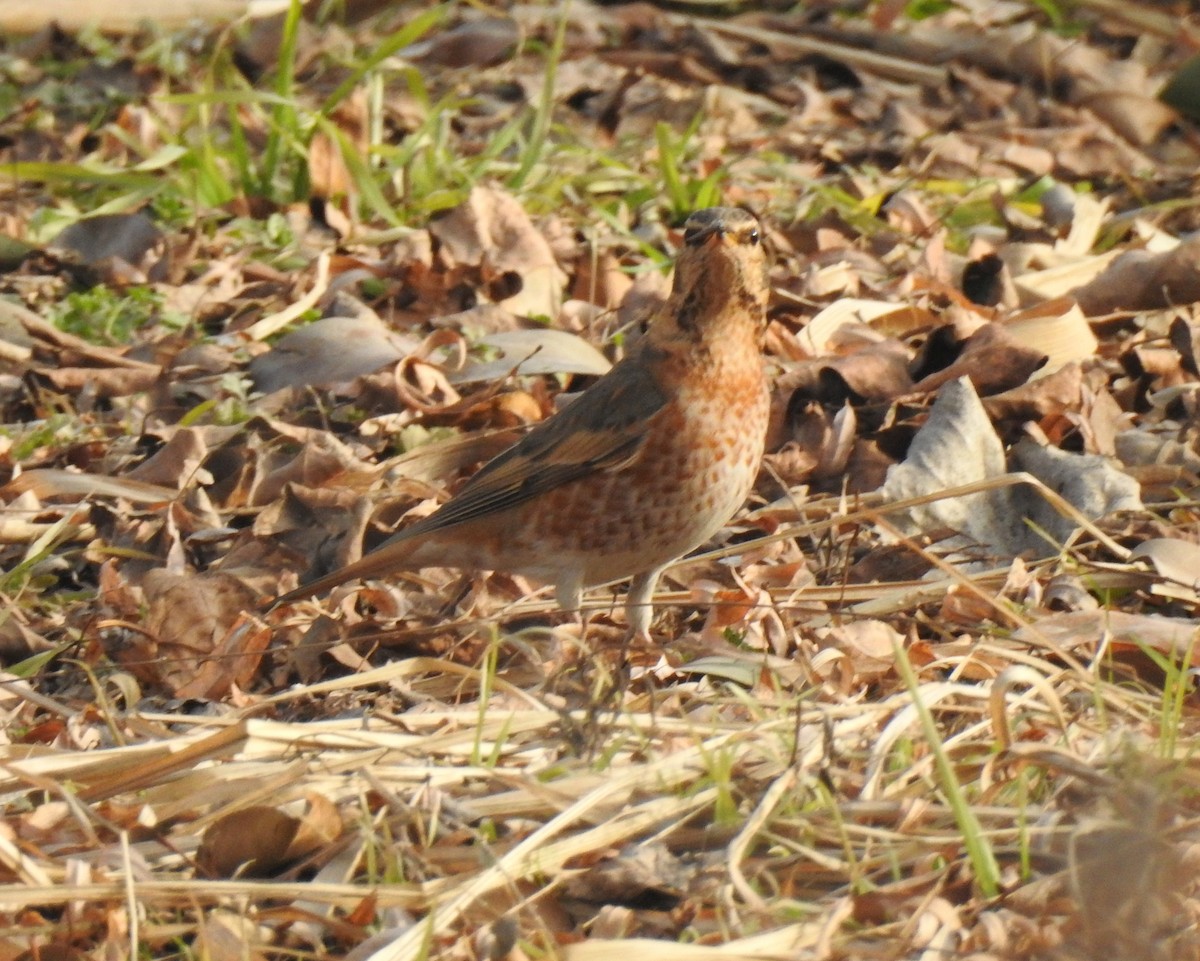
[106,316]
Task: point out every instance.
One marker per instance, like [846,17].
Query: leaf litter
[931,692]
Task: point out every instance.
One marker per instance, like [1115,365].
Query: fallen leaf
[956,446]
[476,43]
[492,231]
[1141,280]
[1176,560]
[198,641]
[532,352]
[250,842]
[123,247]
[333,350]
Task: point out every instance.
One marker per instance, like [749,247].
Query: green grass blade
[545,108]
[979,851]
[285,113]
[363,181]
[411,32]
[53,172]
[669,167]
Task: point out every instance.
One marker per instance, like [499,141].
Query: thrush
[644,466]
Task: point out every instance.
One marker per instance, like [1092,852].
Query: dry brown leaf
[956,446]
[1124,633]
[177,463]
[823,334]
[332,350]
[492,231]
[991,357]
[320,459]
[225,936]
[115,382]
[251,842]
[476,43]
[1094,485]
[1176,560]
[198,641]
[46,483]
[1141,280]
[1057,329]
[1053,394]
[645,875]
[320,825]
[856,653]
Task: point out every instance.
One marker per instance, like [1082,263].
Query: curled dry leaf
[177,463]
[492,231]
[835,327]
[857,653]
[956,446]
[228,936]
[320,458]
[1172,636]
[991,357]
[105,383]
[320,826]
[819,447]
[1053,394]
[50,482]
[876,371]
[1060,279]
[251,842]
[1068,592]
[479,321]
[1185,338]
[728,608]
[1058,329]
[1141,280]
[643,875]
[1094,485]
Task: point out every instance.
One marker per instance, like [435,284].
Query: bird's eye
[753,237]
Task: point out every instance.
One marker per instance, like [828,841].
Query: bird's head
[722,264]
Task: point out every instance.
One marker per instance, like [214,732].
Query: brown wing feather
[600,431]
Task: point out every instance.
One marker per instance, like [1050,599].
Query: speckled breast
[695,470]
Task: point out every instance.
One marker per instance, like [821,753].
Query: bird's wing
[600,431]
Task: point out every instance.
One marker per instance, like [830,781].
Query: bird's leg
[639,612]
[568,593]
[638,607]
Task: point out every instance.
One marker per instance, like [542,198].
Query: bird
[641,468]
